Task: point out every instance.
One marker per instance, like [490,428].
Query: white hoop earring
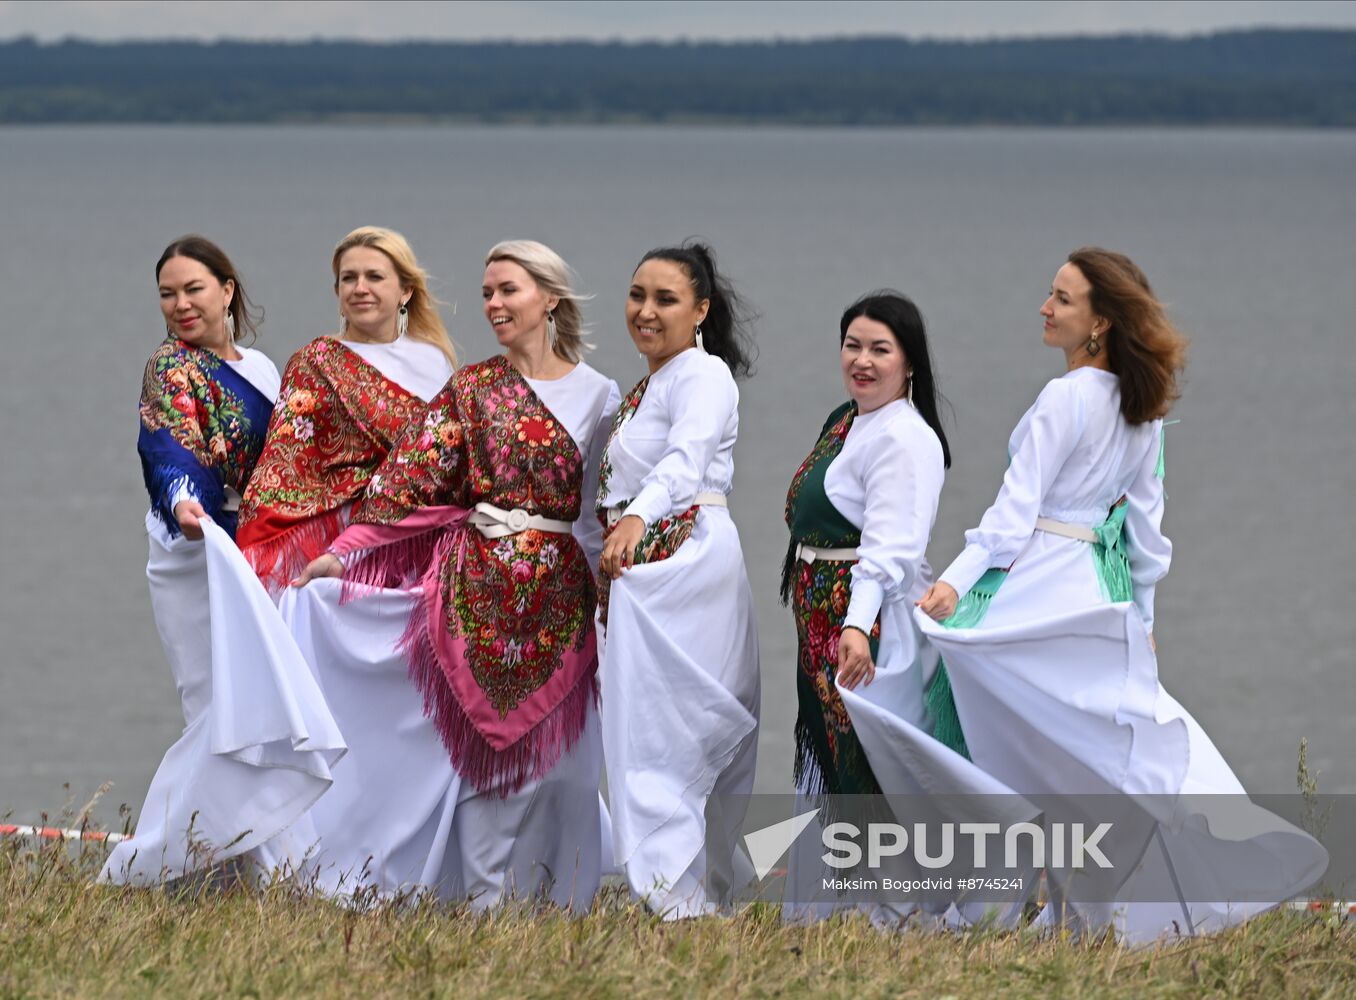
[402,322]
[701,346]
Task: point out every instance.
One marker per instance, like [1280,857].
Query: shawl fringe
[494,772]
[163,481]
[806,773]
[279,560]
[940,700]
[394,563]
[941,704]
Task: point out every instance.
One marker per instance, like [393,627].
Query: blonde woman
[479,508]
[344,401]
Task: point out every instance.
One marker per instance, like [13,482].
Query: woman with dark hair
[860,510]
[234,780]
[680,661]
[1047,626]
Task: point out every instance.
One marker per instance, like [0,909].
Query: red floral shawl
[336,418]
[502,644]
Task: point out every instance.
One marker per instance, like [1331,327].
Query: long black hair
[725,329]
[899,313]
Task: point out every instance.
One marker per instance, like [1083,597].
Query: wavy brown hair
[1144,349]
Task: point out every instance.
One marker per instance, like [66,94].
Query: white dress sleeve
[1149,550]
[1056,423]
[588,529]
[902,480]
[700,405]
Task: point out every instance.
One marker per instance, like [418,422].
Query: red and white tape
[57,833]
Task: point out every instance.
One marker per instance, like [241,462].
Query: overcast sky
[723,19]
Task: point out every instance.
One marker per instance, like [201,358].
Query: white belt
[494,522]
[811,553]
[1075,531]
[232,499]
[614,514]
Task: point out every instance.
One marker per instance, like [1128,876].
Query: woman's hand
[326,565]
[620,548]
[854,659]
[188,513]
[939,603]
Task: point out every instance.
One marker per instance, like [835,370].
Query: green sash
[1113,576]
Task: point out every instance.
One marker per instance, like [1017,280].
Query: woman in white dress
[860,510]
[344,400]
[239,776]
[1048,628]
[477,513]
[680,661]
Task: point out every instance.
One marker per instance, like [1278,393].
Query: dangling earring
[1094,348]
[230,326]
[551,329]
[343,322]
[908,387]
[700,345]
[402,322]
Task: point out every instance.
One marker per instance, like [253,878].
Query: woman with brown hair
[256,749]
[1047,632]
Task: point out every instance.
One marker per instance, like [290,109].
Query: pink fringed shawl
[501,644]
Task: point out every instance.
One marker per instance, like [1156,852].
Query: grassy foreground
[60,936]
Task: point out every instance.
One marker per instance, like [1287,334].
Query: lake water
[1249,236]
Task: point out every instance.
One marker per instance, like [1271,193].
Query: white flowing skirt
[399,818]
[680,718]
[1058,694]
[889,717]
[258,743]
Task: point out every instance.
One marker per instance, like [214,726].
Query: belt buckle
[613,516]
[516,520]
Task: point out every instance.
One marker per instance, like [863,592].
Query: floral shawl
[337,417]
[662,538]
[502,642]
[829,757]
[201,425]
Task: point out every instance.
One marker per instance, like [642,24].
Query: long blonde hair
[553,276]
[425,323]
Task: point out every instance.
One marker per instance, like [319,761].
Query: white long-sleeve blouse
[679,442]
[887,480]
[1071,457]
[584,402]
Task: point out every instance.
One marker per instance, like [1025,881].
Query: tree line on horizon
[1260,77]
